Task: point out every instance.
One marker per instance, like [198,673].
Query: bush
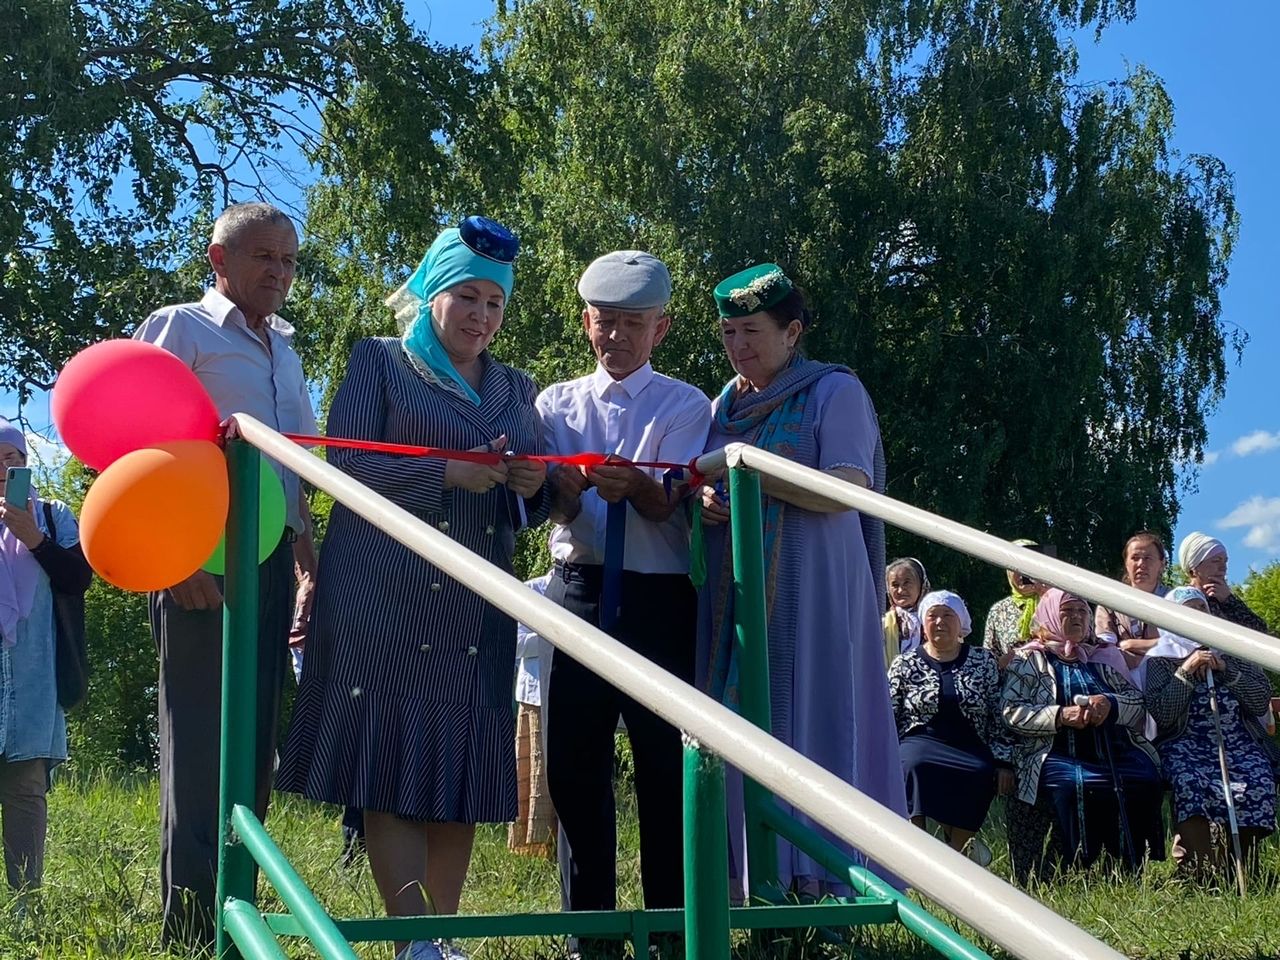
[115,728]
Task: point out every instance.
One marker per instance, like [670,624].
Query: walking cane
[1126,835]
[1226,781]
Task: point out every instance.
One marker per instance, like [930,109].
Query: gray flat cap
[626,280]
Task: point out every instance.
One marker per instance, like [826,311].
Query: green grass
[100,898]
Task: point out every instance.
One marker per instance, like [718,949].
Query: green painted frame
[245,846]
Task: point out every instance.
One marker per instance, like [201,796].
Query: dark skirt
[1089,817]
[946,783]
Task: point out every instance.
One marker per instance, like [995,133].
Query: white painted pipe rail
[1001,912]
[1184,621]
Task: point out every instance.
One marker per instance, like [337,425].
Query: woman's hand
[1216,589]
[1200,661]
[715,509]
[477,477]
[1005,781]
[22,524]
[525,477]
[1099,709]
[1077,718]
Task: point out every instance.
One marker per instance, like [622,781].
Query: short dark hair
[793,306]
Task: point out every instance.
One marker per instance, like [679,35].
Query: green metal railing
[1008,916]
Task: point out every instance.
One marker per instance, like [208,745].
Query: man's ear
[660,330]
[218,259]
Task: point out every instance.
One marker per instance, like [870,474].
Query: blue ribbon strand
[615,540]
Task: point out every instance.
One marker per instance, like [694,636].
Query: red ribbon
[587,460]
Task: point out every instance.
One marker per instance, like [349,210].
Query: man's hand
[567,486]
[198,592]
[616,482]
[22,524]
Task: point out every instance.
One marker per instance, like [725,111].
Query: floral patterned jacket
[914,690]
[1030,706]
[1169,693]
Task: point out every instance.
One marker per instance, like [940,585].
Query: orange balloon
[155,515]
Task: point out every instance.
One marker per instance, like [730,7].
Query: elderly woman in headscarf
[39,556]
[1204,560]
[1085,770]
[956,751]
[1177,696]
[906,584]
[405,704]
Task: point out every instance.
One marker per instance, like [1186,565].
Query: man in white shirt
[626,409]
[241,352]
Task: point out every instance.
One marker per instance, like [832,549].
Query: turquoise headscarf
[448,262]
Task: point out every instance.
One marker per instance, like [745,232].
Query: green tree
[1261,591]
[1020,267]
[125,124]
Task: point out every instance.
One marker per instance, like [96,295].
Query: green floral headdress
[750,290]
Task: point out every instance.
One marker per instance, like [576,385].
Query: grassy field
[100,897]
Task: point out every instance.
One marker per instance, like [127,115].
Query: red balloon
[122,395]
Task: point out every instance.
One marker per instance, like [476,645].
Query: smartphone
[17,487]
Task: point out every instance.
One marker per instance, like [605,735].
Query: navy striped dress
[405,704]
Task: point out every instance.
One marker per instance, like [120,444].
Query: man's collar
[633,383]
[223,310]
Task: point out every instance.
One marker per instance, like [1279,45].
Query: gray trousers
[189,643]
[25,810]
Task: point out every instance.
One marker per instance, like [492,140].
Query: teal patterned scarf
[774,419]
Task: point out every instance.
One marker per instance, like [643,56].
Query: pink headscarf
[1093,648]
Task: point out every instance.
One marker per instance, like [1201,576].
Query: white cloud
[1260,441]
[1261,517]
[1211,457]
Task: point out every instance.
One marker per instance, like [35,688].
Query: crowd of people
[1084,719]
[405,712]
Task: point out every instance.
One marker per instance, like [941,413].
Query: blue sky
[1218,65]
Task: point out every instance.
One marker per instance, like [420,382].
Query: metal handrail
[1191,624]
[1001,912]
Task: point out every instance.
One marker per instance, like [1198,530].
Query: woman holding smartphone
[39,553]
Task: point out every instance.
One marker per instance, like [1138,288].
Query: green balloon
[271,514]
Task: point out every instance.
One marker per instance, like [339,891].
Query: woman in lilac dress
[829,695]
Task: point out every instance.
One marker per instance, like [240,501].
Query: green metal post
[238,764]
[328,942]
[706,857]
[247,929]
[751,622]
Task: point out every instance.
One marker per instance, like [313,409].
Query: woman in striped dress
[405,704]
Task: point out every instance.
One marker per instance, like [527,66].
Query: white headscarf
[1198,547]
[1170,644]
[910,627]
[945,598]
